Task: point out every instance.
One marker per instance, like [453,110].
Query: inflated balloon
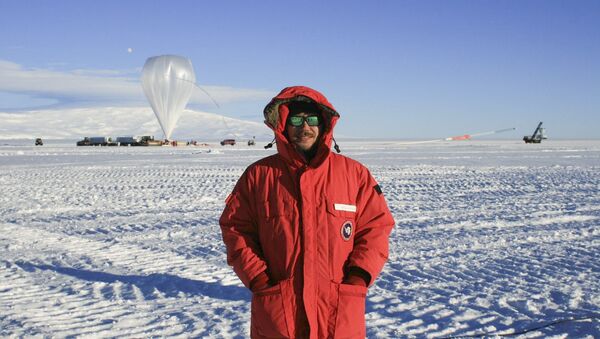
[168,82]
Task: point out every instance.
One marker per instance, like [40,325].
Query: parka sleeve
[240,234]
[373,226]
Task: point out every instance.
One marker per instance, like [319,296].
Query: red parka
[304,224]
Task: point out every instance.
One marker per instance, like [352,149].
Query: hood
[276,114]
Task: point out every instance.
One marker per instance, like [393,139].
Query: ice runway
[492,237]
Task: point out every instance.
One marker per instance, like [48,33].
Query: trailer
[128,141]
[96,141]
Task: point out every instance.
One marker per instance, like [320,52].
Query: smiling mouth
[303,137]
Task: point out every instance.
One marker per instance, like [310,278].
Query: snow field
[491,237]
[489,250]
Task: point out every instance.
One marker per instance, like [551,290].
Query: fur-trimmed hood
[276,114]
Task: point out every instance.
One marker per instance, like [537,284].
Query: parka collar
[276,113]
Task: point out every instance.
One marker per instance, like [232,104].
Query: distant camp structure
[538,135]
[39,142]
[95,141]
[145,140]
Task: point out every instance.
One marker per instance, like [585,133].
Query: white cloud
[15,101]
[14,78]
[100,72]
[111,87]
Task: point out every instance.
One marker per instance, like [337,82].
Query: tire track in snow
[156,202]
[69,203]
[475,247]
[464,237]
[128,257]
[111,297]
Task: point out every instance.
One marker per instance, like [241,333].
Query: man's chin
[305,147]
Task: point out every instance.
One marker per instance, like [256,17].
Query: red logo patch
[347,230]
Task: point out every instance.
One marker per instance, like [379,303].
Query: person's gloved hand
[357,276]
[355,280]
[260,282]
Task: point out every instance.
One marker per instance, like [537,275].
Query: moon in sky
[129,50]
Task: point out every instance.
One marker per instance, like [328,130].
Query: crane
[537,136]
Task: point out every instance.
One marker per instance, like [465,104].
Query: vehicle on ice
[148,140]
[228,142]
[39,142]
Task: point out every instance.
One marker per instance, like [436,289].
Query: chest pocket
[341,209]
[341,227]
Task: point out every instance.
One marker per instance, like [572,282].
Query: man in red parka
[306,229]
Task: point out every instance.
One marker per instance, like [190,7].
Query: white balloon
[129,50]
[168,82]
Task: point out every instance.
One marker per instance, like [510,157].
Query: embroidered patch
[347,229]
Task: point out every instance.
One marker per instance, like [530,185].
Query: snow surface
[492,237]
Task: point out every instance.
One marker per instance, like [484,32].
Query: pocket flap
[276,206]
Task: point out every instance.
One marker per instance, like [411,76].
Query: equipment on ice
[469,136]
[538,135]
[168,82]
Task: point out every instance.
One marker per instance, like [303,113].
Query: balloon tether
[203,90]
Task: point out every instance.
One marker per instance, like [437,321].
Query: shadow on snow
[165,284]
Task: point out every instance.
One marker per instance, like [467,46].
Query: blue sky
[394,69]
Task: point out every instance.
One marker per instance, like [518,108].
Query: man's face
[304,137]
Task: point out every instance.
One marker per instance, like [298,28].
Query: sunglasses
[297,120]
